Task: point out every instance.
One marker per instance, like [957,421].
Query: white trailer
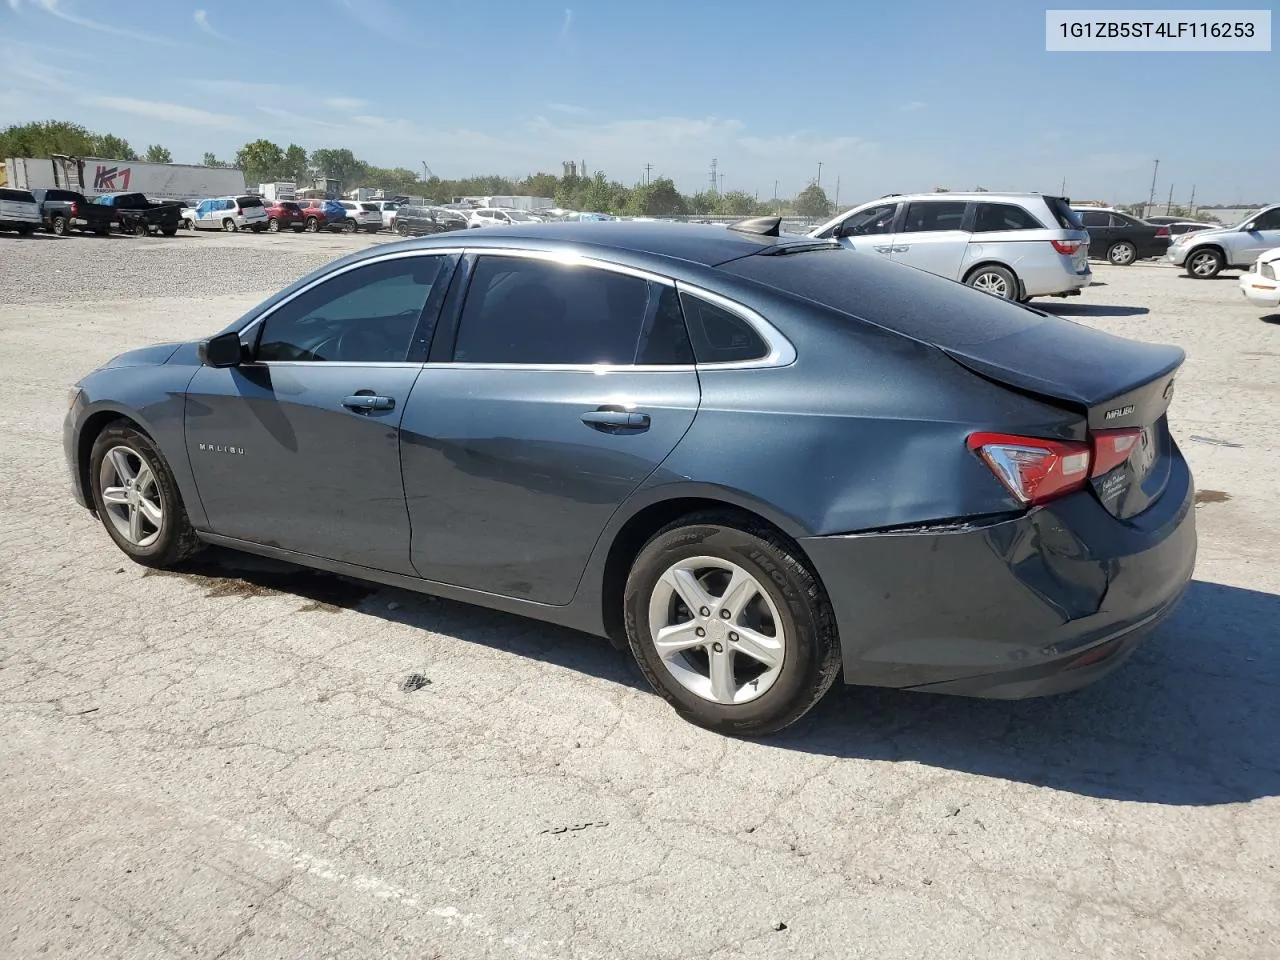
[511,202]
[96,175]
[278,190]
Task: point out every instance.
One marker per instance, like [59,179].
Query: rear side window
[994,217]
[1067,218]
[17,196]
[521,311]
[719,336]
[249,201]
[929,215]
[1095,218]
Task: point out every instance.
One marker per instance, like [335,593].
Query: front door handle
[883,249]
[613,419]
[366,402]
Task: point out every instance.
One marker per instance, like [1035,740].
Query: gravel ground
[229,763]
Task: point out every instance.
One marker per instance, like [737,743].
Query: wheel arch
[992,262]
[90,429]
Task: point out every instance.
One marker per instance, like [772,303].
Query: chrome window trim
[600,369]
[782,353]
[572,258]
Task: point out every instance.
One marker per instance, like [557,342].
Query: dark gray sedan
[756,460]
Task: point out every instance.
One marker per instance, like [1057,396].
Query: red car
[319,214]
[284,215]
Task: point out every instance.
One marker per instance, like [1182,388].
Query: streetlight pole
[818,182]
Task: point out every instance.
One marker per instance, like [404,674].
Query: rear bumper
[1061,277]
[1040,603]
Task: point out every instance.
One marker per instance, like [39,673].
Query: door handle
[883,249]
[366,402]
[900,249]
[612,419]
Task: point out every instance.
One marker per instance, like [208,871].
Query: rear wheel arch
[641,526]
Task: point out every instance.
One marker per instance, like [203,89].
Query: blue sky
[889,97]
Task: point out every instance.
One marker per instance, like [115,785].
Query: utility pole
[1191,207]
[714,178]
[647,168]
[1168,207]
[775,191]
[722,183]
[837,191]
[1152,198]
[1062,190]
[818,182]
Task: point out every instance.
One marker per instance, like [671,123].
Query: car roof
[706,246]
[961,195]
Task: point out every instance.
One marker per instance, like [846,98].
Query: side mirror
[1250,227]
[224,350]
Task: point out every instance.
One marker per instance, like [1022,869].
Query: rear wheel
[1122,253]
[141,230]
[729,626]
[273,225]
[61,226]
[229,225]
[137,499]
[348,226]
[402,228]
[994,280]
[1205,264]
[312,225]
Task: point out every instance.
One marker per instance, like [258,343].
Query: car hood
[1201,234]
[152,356]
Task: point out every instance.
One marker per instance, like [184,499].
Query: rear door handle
[883,249]
[366,402]
[612,419]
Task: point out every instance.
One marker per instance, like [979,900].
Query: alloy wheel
[131,496]
[992,283]
[1204,264]
[1123,254]
[716,630]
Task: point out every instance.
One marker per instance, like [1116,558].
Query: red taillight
[1066,246]
[1034,470]
[1162,231]
[75,209]
[1112,448]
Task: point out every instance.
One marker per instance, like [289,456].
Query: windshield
[516,215]
[1251,217]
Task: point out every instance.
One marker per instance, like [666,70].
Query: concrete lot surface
[228,763]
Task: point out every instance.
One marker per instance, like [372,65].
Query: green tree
[813,202]
[210,160]
[158,154]
[110,146]
[337,163]
[539,185]
[261,160]
[703,202]
[296,164]
[657,198]
[737,203]
[44,138]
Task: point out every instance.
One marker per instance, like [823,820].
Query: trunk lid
[1117,384]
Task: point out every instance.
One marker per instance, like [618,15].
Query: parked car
[1206,253]
[387,208]
[755,460]
[18,211]
[361,215]
[284,215]
[420,221]
[1015,245]
[1260,286]
[137,215]
[494,217]
[1120,238]
[62,211]
[245,212]
[1177,229]
[322,214]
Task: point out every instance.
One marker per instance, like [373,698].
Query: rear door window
[527,311]
[719,335]
[1095,218]
[995,217]
[924,216]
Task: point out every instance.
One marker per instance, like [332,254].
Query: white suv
[226,213]
[1013,245]
[361,215]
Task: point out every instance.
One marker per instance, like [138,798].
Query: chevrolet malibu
[756,461]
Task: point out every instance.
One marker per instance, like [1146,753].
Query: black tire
[812,659]
[170,231]
[176,540]
[1122,253]
[273,225]
[25,230]
[189,223]
[312,225]
[995,280]
[349,226]
[1205,263]
[229,226]
[61,227]
[402,228]
[141,230]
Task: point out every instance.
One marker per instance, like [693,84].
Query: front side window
[1269,220]
[996,217]
[865,223]
[926,216]
[718,335]
[521,311]
[366,315]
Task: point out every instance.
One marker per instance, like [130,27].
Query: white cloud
[15,5]
[301,120]
[161,110]
[567,24]
[57,9]
[345,104]
[911,106]
[803,145]
[569,108]
[201,18]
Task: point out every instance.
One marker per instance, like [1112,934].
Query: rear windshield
[289,205]
[62,195]
[907,301]
[1067,218]
[17,196]
[371,207]
[249,201]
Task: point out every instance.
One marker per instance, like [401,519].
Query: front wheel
[729,626]
[141,230]
[402,228]
[348,226]
[1122,253]
[137,499]
[996,281]
[1205,264]
[312,225]
[273,225]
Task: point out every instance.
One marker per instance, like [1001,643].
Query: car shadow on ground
[1193,718]
[1091,310]
[1271,318]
